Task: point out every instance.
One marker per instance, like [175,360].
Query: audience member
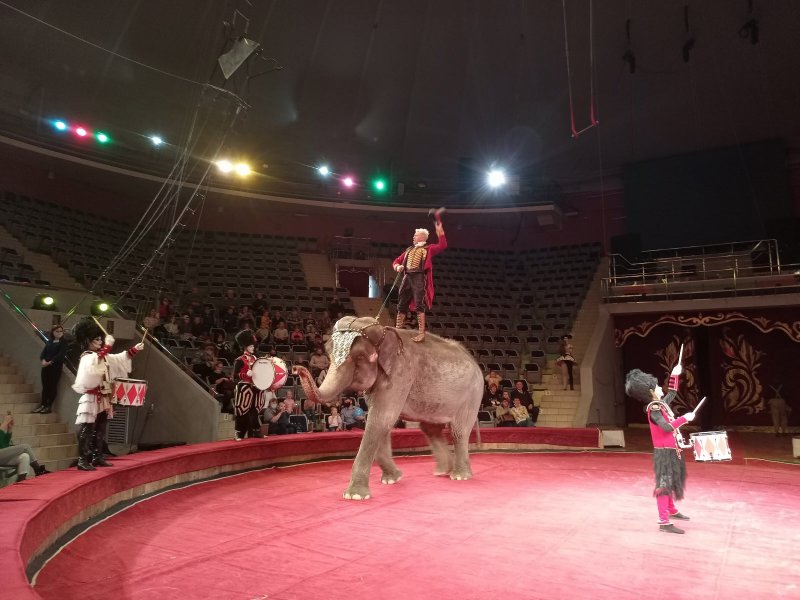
[19,456]
[352,416]
[277,418]
[296,337]
[335,420]
[503,413]
[172,327]
[165,308]
[223,386]
[52,360]
[493,378]
[289,402]
[526,398]
[151,320]
[281,334]
[228,320]
[491,398]
[520,413]
[319,362]
[335,308]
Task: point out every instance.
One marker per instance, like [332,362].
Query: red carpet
[561,525]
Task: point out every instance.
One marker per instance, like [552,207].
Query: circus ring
[265,519]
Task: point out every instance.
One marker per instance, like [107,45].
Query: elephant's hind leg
[461,428]
[439,448]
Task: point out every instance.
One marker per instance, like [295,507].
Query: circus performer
[94,381]
[668,461]
[416,264]
[248,400]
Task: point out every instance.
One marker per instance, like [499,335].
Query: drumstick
[144,335]
[699,404]
[99,325]
[680,356]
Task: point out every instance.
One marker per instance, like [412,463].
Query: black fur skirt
[670,472]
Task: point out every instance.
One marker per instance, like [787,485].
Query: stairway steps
[11,388]
[59,452]
[19,398]
[26,431]
[52,439]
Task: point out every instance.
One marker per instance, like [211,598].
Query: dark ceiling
[412,86]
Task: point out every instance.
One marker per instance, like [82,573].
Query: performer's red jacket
[433,249]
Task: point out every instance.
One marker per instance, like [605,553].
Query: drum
[269,373]
[263,373]
[129,392]
[710,446]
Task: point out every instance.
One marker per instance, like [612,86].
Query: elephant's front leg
[390,474]
[376,439]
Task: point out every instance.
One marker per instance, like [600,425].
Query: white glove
[399,268]
[109,340]
[677,370]
[249,372]
[139,347]
[689,416]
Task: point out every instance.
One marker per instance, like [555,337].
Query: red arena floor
[532,525]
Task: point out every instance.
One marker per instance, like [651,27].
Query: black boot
[670,528]
[99,440]
[85,437]
[39,468]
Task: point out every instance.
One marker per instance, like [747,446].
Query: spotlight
[60,125]
[348,182]
[44,302]
[379,185]
[99,308]
[324,170]
[157,141]
[242,169]
[81,132]
[495,178]
[101,137]
[225,166]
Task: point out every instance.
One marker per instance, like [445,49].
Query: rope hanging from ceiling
[593,121]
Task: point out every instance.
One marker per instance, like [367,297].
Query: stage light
[348,182]
[225,166]
[99,308]
[44,302]
[80,131]
[242,169]
[101,137]
[324,170]
[157,141]
[495,178]
[379,185]
[60,125]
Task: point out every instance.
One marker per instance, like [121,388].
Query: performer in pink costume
[669,463]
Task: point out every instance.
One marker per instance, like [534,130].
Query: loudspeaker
[629,245]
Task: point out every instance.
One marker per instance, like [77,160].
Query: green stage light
[99,308]
[44,302]
[101,137]
[380,185]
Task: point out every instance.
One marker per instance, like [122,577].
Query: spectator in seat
[296,337]
[491,398]
[19,456]
[521,416]
[353,416]
[152,319]
[334,420]
[324,321]
[493,378]
[222,386]
[335,308]
[259,304]
[198,327]
[165,308]
[277,419]
[520,391]
[281,334]
[289,402]
[264,332]
[173,330]
[228,321]
[319,362]
[294,318]
[503,413]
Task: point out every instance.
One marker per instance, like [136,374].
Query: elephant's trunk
[335,383]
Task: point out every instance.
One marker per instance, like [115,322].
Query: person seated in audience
[276,318]
[221,346]
[334,421]
[335,308]
[319,361]
[493,378]
[321,377]
[521,416]
[198,327]
[230,296]
[165,308]
[228,321]
[152,319]
[294,318]
[503,414]
[19,456]
[324,321]
[222,386]
[526,398]
[352,415]
[246,318]
[259,304]
[289,402]
[185,328]
[263,332]
[296,337]
[491,398]
[277,418]
[205,367]
[281,333]
[173,330]
[311,409]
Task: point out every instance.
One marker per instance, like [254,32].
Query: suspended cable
[592,113]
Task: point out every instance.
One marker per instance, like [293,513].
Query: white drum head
[263,373]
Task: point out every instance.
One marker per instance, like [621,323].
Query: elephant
[436,382]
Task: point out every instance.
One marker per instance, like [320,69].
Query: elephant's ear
[388,345]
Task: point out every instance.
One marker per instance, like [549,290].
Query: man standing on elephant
[416,289]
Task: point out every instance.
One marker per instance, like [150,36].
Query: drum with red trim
[129,392]
[269,373]
[710,446]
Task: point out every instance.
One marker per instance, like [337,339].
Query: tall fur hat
[245,338]
[639,384]
[85,331]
